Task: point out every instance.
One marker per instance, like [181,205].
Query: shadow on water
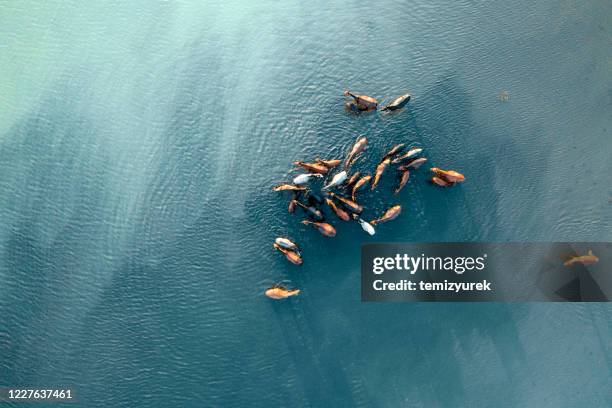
[334,342]
[183,300]
[389,339]
[320,367]
[443,123]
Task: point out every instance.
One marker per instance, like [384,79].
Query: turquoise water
[138,145]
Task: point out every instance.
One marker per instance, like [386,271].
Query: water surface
[138,144]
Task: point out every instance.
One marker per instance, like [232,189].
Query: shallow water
[138,144]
